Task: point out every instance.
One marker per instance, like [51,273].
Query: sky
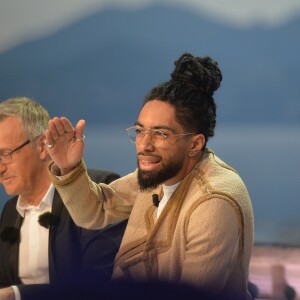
[25,20]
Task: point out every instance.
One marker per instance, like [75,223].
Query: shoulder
[10,206]
[9,217]
[213,175]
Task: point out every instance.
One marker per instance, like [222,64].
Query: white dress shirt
[33,248]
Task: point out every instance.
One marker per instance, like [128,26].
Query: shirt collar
[46,202]
[169,189]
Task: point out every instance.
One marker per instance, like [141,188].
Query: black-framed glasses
[158,137]
[5,157]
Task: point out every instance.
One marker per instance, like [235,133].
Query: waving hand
[64,143]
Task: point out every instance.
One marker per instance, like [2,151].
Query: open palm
[64,143]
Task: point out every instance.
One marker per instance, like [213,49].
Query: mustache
[148,154]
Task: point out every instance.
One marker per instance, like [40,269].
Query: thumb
[79,129]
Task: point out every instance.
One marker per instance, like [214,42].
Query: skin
[26,174]
[67,151]
[7,294]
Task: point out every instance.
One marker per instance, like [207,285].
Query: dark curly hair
[190,90]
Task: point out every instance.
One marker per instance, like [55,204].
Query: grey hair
[33,117]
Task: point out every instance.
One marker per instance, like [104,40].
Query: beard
[149,180]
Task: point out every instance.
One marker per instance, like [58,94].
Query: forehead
[156,113]
[10,132]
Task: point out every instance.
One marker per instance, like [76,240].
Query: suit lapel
[14,253]
[56,210]
[57,204]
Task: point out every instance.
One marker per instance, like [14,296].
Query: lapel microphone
[10,234]
[155,200]
[47,219]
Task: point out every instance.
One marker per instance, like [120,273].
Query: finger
[48,136]
[50,145]
[79,136]
[67,125]
[59,126]
[48,139]
[52,126]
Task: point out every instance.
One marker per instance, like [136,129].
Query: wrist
[65,171]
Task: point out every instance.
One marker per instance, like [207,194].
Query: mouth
[148,162]
[6,180]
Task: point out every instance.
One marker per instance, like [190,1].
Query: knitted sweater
[203,236]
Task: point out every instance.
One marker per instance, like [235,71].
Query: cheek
[176,150]
[138,149]
[25,168]
[14,185]
[169,157]
[178,154]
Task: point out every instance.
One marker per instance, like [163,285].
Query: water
[266,157]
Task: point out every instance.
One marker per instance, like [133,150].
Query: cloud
[25,20]
[247,13]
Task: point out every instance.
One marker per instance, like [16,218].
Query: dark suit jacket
[75,254]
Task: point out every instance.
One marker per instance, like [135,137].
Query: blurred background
[97,59]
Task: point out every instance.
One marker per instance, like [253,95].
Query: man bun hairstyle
[190,89]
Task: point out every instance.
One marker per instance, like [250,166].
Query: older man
[39,242]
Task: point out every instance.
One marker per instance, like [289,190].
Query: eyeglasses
[5,157]
[158,137]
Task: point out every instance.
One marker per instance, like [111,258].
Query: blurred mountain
[101,67]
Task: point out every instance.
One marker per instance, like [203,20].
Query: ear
[197,144]
[42,147]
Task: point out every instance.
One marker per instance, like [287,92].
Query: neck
[188,167]
[35,198]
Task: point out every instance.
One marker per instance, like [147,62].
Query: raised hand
[65,144]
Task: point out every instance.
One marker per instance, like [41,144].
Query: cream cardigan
[203,236]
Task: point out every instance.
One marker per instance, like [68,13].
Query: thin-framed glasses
[158,137]
[6,157]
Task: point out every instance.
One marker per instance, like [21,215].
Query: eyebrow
[158,127]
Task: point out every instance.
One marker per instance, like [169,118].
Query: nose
[146,143]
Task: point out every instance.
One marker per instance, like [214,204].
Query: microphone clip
[155,200]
